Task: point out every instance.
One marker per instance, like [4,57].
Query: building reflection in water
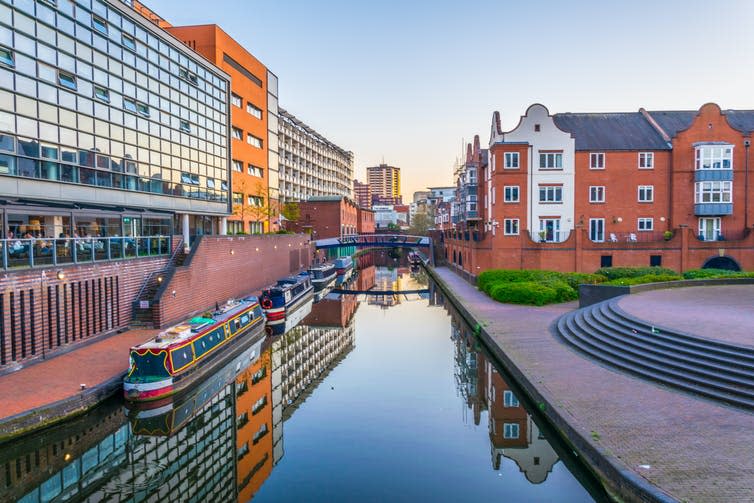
[512,430]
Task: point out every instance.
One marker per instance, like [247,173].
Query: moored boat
[322,274]
[343,265]
[178,356]
[293,317]
[285,296]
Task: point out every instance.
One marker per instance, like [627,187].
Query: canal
[384,397]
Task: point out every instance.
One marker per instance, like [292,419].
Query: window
[128,42]
[189,76]
[189,178]
[597,229]
[597,194]
[549,229]
[236,133]
[235,100]
[646,160]
[511,160]
[210,183]
[551,160]
[510,193]
[713,192]
[646,193]
[67,80]
[550,193]
[102,94]
[129,105]
[714,157]
[710,229]
[6,56]
[646,224]
[237,198]
[510,430]
[255,201]
[252,110]
[597,160]
[655,260]
[509,399]
[237,166]
[142,109]
[185,126]
[255,171]
[254,141]
[510,227]
[606,261]
[99,24]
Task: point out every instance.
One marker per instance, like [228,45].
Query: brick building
[253,126]
[365,221]
[327,217]
[362,194]
[580,191]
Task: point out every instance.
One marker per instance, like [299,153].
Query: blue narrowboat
[288,294]
[322,275]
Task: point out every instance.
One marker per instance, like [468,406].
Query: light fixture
[257,248]
[662,219]
[617,220]
[232,251]
[61,275]
[159,279]
[173,293]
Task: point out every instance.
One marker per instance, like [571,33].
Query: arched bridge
[375,241]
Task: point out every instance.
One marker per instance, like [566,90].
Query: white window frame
[646,160]
[597,230]
[236,100]
[645,224]
[716,228]
[254,141]
[555,229]
[553,194]
[511,430]
[237,166]
[509,399]
[551,161]
[253,110]
[714,157]
[596,193]
[645,193]
[236,133]
[511,160]
[508,193]
[597,160]
[511,227]
[713,192]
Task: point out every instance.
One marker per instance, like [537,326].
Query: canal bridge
[376,241]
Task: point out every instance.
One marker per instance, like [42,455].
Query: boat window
[180,357]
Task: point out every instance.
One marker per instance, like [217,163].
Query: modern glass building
[108,124]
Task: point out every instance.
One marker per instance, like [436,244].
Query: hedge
[715,273]
[612,273]
[647,278]
[535,286]
[524,292]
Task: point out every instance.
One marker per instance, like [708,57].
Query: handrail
[148,278]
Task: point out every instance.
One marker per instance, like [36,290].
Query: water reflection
[222,440]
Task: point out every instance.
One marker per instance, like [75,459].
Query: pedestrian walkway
[688,447]
[36,393]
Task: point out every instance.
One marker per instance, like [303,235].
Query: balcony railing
[632,237]
[43,252]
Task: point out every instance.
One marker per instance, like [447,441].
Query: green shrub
[574,279]
[612,273]
[647,278]
[524,292]
[715,273]
[564,291]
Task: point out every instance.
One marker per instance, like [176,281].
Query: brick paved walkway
[692,449]
[60,378]
[724,313]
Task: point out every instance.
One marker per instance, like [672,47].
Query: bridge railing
[397,240]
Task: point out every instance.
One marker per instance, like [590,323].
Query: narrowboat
[292,318]
[414,258]
[167,416]
[343,265]
[321,275]
[178,356]
[288,294]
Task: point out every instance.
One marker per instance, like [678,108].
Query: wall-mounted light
[276,247]
[257,248]
[61,275]
[232,252]
[172,293]
[160,279]
[662,219]
[617,220]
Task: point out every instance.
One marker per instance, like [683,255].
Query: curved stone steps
[695,365]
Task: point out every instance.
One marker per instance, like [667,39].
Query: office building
[384,184]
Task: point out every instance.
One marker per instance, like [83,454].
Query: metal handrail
[148,278]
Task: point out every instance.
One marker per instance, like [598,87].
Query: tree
[255,203]
[291,211]
[420,224]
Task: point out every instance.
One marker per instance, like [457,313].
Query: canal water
[385,397]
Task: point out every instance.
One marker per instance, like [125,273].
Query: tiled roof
[673,121]
[743,120]
[611,131]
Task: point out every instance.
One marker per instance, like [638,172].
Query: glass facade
[93,94]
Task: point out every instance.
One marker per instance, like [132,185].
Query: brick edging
[615,476]
[53,413]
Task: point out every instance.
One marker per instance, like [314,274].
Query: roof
[673,121]
[743,120]
[611,131]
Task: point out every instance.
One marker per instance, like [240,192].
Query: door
[549,229]
[597,229]
[709,229]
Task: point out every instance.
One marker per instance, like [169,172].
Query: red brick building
[365,223]
[575,192]
[327,217]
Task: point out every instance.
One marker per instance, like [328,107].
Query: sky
[407,82]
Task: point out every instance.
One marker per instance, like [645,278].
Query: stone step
[575,328]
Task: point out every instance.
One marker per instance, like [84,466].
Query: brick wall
[223,267]
[41,314]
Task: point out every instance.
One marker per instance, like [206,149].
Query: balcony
[713,209]
[713,175]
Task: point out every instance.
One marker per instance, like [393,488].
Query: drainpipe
[747,144]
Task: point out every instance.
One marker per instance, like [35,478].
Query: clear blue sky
[408,80]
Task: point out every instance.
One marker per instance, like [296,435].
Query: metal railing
[43,252]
